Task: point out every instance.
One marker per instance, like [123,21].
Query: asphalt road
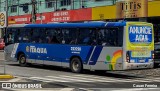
[56,77]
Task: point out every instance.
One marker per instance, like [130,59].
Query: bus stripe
[89,54]
[95,55]
[14,50]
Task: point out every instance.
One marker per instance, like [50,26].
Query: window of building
[25,8]
[65,2]
[49,3]
[100,0]
[13,9]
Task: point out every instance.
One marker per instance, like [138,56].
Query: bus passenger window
[54,40]
[40,40]
[112,37]
[86,40]
[63,41]
[47,38]
[10,38]
[73,41]
[94,42]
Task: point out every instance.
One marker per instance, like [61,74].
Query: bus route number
[75,48]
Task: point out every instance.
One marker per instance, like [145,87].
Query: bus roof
[73,25]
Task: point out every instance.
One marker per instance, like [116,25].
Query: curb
[6,77]
[68,89]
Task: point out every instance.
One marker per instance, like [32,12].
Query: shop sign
[2,19]
[131,8]
[58,16]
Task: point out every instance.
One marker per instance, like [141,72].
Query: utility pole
[0,4]
[56,5]
[6,9]
[41,18]
[33,11]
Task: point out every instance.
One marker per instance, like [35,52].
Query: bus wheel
[22,60]
[76,65]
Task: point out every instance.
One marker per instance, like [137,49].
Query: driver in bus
[11,38]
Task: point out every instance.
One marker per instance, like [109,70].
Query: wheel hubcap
[75,65]
[22,60]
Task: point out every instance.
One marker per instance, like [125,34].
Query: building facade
[22,7]
[46,11]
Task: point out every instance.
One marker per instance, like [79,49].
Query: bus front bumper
[7,57]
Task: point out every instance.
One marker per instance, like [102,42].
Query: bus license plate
[141,66]
[141,54]
[141,61]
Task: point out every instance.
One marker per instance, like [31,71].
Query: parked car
[2,44]
[156,54]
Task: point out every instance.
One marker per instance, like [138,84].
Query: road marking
[69,79]
[122,79]
[155,79]
[109,79]
[68,89]
[15,80]
[99,80]
[135,89]
[46,79]
[92,79]
[88,78]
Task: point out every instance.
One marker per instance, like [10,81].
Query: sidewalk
[3,76]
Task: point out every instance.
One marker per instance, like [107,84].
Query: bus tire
[22,60]
[76,65]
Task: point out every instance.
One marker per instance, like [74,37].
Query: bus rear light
[153,55]
[127,57]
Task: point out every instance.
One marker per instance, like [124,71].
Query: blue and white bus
[92,45]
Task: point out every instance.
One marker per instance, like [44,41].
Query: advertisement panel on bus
[140,42]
